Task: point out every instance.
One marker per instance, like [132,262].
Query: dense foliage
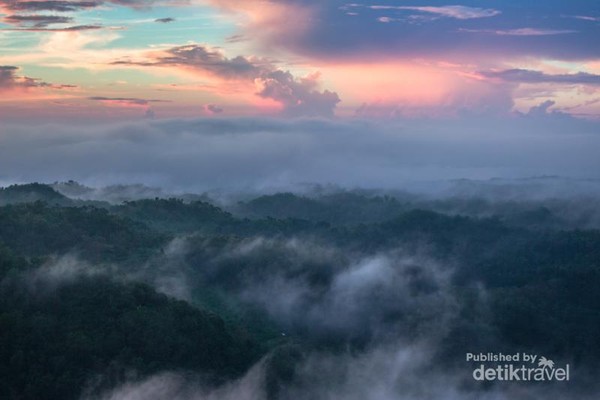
[266,277]
[36,229]
[92,333]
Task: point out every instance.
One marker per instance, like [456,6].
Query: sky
[210,94]
[108,60]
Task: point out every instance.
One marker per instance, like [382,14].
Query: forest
[291,295]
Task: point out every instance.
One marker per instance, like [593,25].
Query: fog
[373,320]
[328,294]
[385,373]
[373,324]
[198,155]
[400,303]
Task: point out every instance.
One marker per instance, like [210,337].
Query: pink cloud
[297,96]
[11,80]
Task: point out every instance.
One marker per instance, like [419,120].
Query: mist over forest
[127,292]
[254,154]
[299,200]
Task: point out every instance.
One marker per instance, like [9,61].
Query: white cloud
[457,12]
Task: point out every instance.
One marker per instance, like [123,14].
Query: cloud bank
[244,153]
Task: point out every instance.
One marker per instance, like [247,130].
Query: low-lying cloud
[322,292]
[254,153]
[392,367]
